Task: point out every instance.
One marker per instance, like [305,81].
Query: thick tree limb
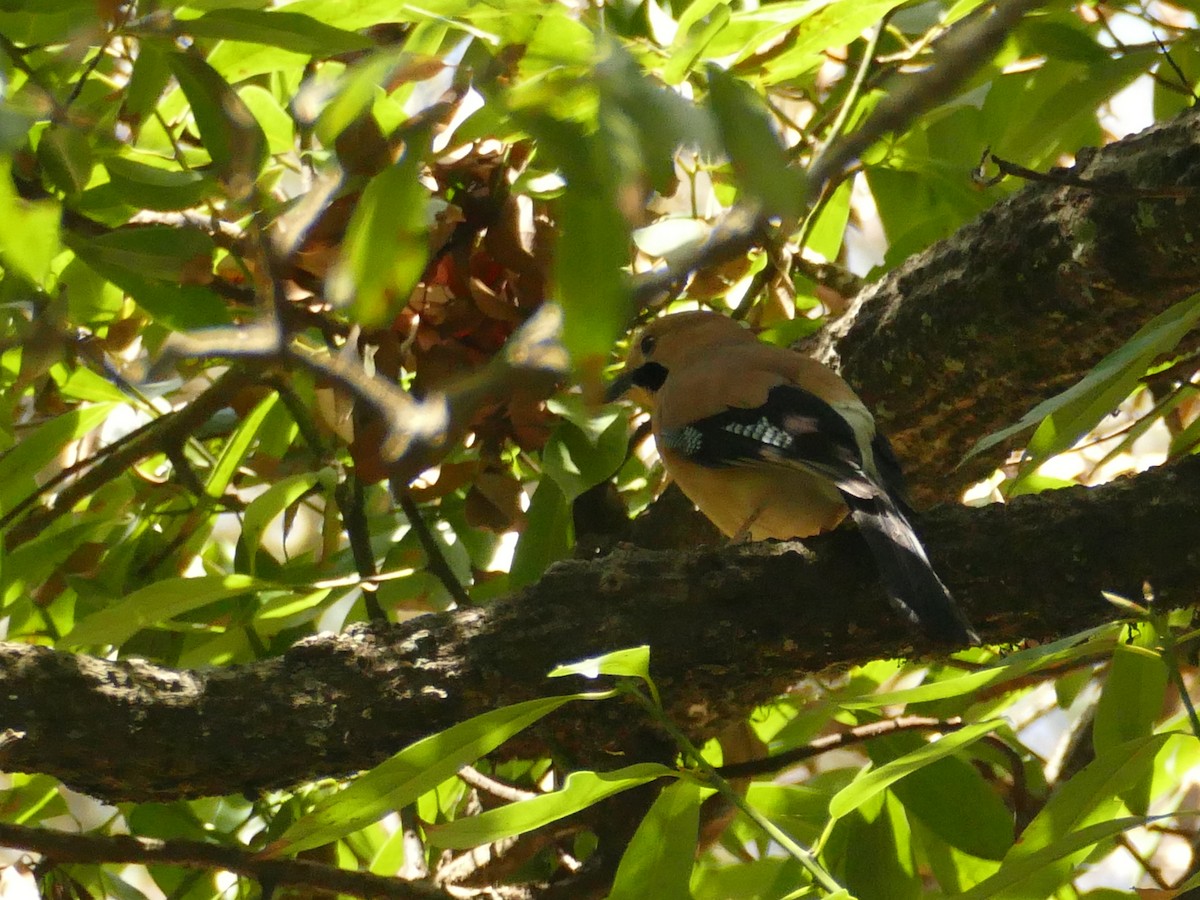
[962,339]
[729,628]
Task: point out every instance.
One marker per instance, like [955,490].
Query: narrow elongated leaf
[658,860]
[579,791]
[755,150]
[39,448]
[871,783]
[1051,846]
[29,239]
[155,187]
[161,252]
[237,446]
[230,133]
[277,28]
[589,281]
[547,535]
[1066,417]
[880,863]
[634,662]
[1132,698]
[951,799]
[270,503]
[1024,877]
[153,604]
[418,768]
[1093,642]
[386,246]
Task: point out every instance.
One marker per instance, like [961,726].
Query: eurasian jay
[771,444]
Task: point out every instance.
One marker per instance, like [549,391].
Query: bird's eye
[647,344]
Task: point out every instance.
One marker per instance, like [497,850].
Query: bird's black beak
[620,385]
[649,375]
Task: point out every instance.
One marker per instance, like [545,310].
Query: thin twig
[1063,178]
[1147,865]
[63,847]
[964,48]
[350,500]
[826,743]
[434,558]
[489,785]
[171,428]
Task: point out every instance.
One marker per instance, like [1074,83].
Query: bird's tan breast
[779,502]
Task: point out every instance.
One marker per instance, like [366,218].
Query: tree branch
[729,628]
[64,847]
[965,337]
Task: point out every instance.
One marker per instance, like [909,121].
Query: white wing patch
[764,431]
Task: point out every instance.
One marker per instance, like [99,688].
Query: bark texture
[962,339]
[729,628]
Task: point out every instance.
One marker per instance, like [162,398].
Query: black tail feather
[907,575]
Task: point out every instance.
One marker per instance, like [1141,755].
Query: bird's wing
[795,428]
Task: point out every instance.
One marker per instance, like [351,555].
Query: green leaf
[232,136]
[1024,877]
[270,503]
[759,159]
[418,768]
[1049,849]
[633,662]
[690,43]
[238,446]
[155,603]
[287,30]
[1129,705]
[879,861]
[658,859]
[1068,416]
[66,157]
[577,459]
[1092,642]
[386,246]
[951,798]
[872,782]
[547,536]
[1132,698]
[162,252]
[147,82]
[579,791]
[37,449]
[155,187]
[589,281]
[29,240]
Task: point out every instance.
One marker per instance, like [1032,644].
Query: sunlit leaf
[154,604]
[874,781]
[579,791]
[385,248]
[658,860]
[1069,415]
[29,239]
[292,31]
[38,448]
[411,772]
[230,133]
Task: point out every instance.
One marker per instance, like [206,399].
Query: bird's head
[669,342]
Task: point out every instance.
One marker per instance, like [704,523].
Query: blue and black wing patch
[795,427]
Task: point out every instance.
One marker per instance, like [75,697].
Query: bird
[769,443]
